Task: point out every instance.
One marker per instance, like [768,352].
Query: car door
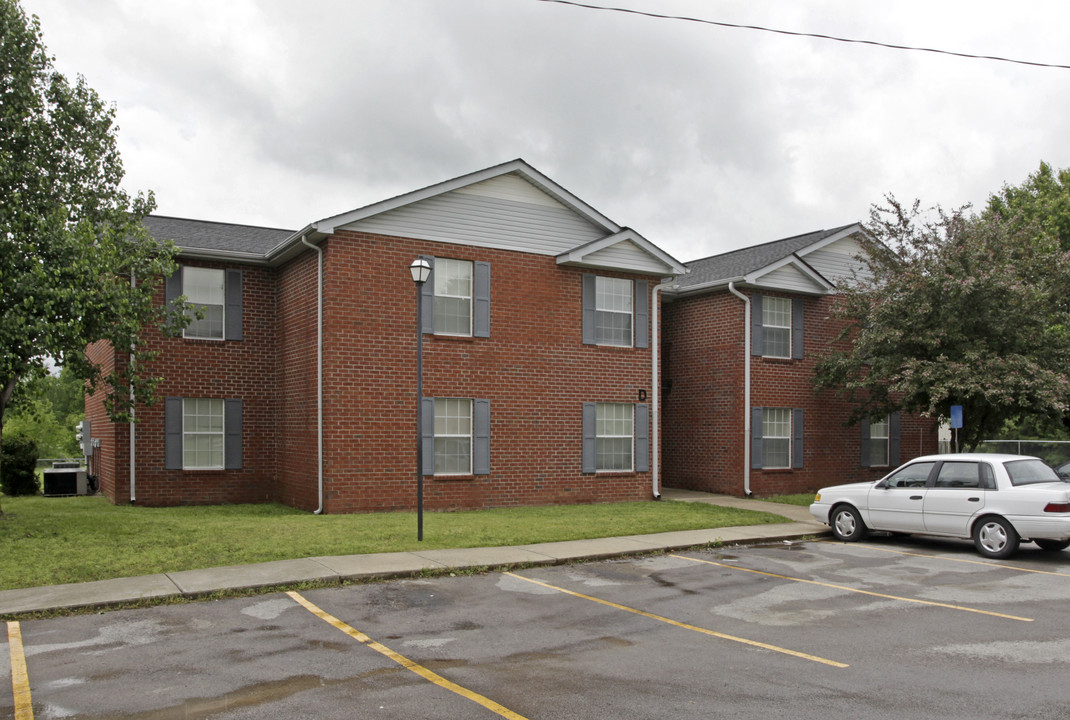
[958,492]
[896,503]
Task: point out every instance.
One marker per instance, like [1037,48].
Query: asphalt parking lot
[908,628]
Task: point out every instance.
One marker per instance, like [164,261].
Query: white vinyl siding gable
[838,261]
[507,220]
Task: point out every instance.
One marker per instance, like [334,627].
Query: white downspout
[133,426]
[655,388]
[746,386]
[319,369]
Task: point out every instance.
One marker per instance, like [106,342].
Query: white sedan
[997,500]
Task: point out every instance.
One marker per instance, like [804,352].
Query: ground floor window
[878,442]
[776,438]
[202,433]
[453,436]
[614,426]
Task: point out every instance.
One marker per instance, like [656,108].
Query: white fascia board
[328,225]
[245,258]
[578,255]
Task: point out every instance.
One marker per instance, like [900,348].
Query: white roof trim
[579,254]
[328,225]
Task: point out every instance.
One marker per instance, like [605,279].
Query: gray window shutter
[590,317]
[172,428]
[481,451]
[797,309]
[232,441]
[427,292]
[173,286]
[642,438]
[642,314]
[756,326]
[481,300]
[427,436]
[233,310]
[866,462]
[590,427]
[756,438]
[797,438]
[893,439]
[87,438]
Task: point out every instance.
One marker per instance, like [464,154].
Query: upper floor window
[205,291]
[453,296]
[216,293]
[615,312]
[613,306]
[777,327]
[776,324]
[456,298]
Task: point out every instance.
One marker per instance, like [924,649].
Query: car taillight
[1057,507]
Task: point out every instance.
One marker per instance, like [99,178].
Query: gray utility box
[65,481]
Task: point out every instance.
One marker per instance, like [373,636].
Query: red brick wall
[703,418]
[534,369]
[110,461]
[243,369]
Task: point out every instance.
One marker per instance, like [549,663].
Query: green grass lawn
[803,499]
[46,541]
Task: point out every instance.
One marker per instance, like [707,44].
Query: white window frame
[445,271]
[773,419]
[608,429]
[776,309]
[607,291]
[880,441]
[450,427]
[189,434]
[192,301]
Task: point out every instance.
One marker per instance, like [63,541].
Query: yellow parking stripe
[20,680]
[856,590]
[953,559]
[405,662]
[685,626]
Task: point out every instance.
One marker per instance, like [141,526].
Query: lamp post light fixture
[421,270]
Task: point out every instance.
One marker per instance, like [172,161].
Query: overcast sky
[702,138]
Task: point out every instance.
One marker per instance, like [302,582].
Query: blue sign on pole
[956,416]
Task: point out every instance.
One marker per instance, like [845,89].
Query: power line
[819,36]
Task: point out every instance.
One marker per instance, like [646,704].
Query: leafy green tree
[1042,201]
[955,309]
[76,263]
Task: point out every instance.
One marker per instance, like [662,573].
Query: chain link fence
[1053,452]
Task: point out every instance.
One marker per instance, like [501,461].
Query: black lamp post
[421,270]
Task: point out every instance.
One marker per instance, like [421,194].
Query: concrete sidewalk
[192,583]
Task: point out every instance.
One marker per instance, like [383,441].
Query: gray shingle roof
[739,263]
[215,236]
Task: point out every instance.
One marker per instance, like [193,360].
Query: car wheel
[847,524]
[1052,545]
[994,537]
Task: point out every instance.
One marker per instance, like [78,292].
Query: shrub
[18,466]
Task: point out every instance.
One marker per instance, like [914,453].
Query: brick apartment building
[741,336]
[537,357]
[540,343]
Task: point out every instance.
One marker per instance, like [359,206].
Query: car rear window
[1029,472]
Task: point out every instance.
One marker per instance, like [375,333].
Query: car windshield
[1029,472]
